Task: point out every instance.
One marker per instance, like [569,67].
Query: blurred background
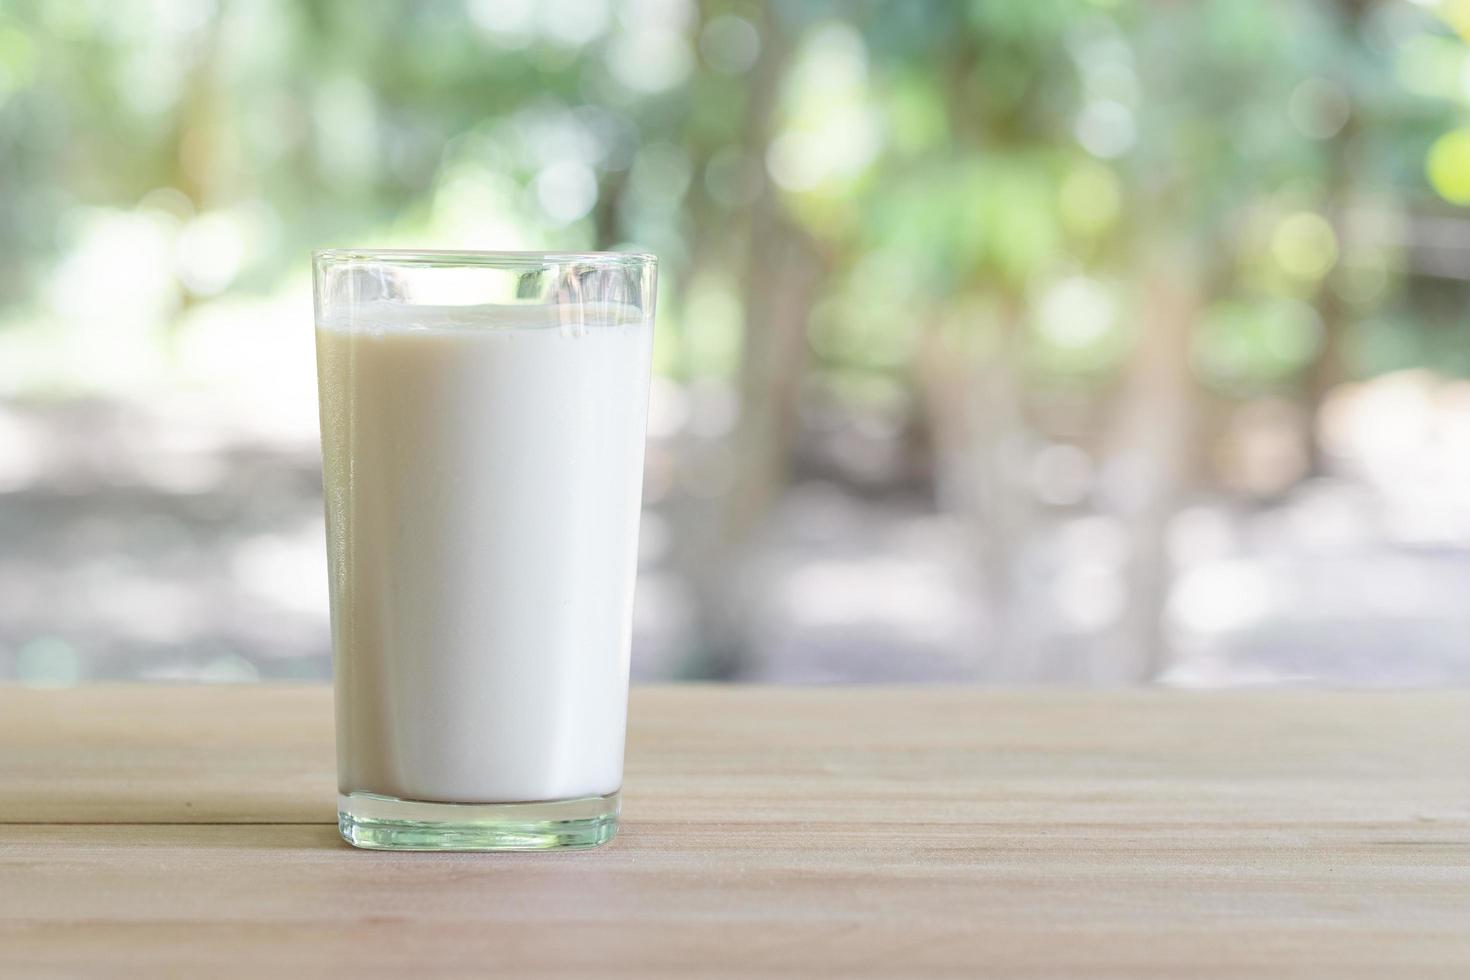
[1086,343]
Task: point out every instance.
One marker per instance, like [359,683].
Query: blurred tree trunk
[783,272]
[973,413]
[1153,454]
[1329,368]
[975,406]
[194,153]
[974,409]
[606,218]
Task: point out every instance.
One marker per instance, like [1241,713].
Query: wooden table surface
[190,831]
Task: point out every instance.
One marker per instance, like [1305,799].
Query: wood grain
[869,832]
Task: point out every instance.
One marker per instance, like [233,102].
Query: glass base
[385,823]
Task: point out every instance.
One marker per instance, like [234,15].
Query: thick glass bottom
[388,824]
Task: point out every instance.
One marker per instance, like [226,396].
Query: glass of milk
[482,423]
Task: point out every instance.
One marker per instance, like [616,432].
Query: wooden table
[191,831]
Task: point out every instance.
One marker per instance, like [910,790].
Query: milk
[482,470]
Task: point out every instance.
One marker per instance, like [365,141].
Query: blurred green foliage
[960,168]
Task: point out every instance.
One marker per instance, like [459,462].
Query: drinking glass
[482,418]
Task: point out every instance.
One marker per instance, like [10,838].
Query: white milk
[482,470]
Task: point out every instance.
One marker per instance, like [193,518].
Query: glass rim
[471,257]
